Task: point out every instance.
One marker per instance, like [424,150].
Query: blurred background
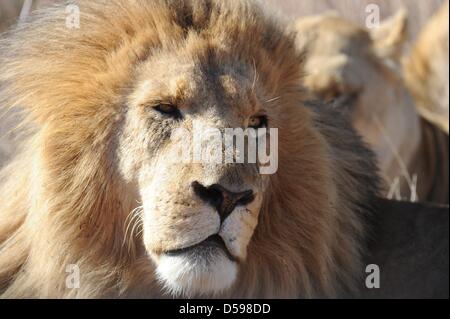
[419,10]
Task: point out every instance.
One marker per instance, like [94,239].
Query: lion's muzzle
[224,200]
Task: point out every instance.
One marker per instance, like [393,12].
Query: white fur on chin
[187,276]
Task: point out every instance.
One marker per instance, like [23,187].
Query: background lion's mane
[59,196]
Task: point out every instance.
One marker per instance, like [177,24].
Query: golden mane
[60,202]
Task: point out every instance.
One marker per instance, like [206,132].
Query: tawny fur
[64,202]
[361,71]
[426,69]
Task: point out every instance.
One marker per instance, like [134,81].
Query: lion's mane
[59,196]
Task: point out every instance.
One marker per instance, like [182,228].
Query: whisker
[133,213]
[256,76]
[140,232]
[273,100]
[130,241]
[131,219]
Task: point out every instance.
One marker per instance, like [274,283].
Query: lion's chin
[204,274]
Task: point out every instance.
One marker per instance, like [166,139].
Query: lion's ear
[390,36]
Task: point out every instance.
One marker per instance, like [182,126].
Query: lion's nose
[221,198]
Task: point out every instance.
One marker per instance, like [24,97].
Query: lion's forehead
[196,82]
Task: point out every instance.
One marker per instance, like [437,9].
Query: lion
[426,69]
[95,188]
[360,71]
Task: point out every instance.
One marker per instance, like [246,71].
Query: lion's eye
[168,110]
[257,122]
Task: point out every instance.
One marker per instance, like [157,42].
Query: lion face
[116,185]
[198,216]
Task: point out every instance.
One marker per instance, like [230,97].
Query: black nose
[222,199]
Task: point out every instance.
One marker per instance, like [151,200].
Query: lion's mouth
[204,248]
